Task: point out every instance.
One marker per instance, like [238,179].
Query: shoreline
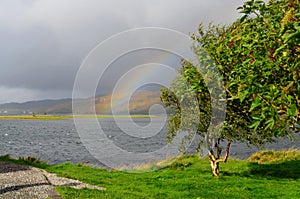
[65,117]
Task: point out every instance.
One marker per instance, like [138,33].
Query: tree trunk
[215,168]
[215,159]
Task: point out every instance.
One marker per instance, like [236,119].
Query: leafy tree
[258,59]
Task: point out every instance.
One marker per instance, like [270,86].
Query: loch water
[58,141]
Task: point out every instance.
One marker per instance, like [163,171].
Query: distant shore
[63,117]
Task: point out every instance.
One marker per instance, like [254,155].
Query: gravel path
[19,181]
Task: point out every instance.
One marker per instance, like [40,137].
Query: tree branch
[227,153]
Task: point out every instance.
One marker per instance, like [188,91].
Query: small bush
[30,159]
[182,162]
[5,157]
[274,156]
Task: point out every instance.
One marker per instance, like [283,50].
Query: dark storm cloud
[44,42]
[31,59]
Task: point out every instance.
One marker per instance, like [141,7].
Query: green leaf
[292,110]
[270,123]
[255,103]
[254,125]
[243,95]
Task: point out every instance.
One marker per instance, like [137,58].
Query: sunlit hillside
[138,103]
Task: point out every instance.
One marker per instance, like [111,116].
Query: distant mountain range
[139,103]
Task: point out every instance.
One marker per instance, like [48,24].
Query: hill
[31,106]
[139,103]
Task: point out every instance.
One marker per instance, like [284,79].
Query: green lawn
[190,177]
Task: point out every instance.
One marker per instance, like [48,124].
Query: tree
[258,59]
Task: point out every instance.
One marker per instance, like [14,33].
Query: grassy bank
[267,174]
[36,117]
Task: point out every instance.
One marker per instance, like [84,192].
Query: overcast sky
[43,42]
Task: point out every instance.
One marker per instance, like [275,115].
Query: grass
[112,116]
[188,177]
[269,156]
[36,117]
[63,117]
